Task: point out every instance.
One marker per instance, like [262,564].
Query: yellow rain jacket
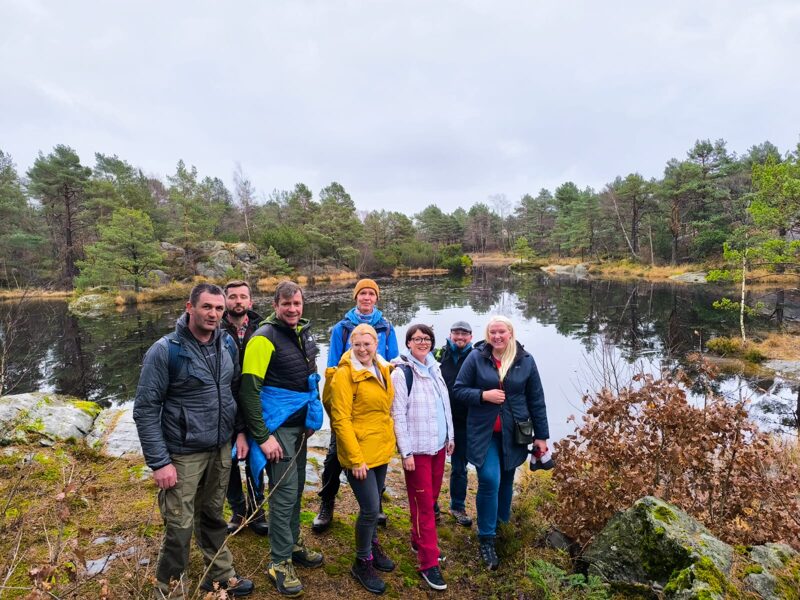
[359,405]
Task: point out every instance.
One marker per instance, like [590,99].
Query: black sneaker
[364,571]
[235,586]
[437,513]
[488,553]
[234,524]
[258,523]
[323,520]
[379,559]
[433,577]
[383,520]
[461,517]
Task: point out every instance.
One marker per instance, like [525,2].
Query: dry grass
[782,346]
[34,294]
[624,269]
[418,272]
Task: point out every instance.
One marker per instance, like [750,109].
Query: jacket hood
[374,317]
[182,328]
[358,371]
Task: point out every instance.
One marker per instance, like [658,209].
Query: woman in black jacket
[500,385]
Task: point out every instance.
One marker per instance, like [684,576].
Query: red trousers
[423,485]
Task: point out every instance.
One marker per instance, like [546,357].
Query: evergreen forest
[67,224]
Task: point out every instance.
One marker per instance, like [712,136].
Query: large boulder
[654,545]
[114,433]
[92,305]
[216,265]
[244,252]
[46,417]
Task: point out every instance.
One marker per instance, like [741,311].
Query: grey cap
[461,325]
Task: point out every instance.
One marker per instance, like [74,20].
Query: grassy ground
[66,505]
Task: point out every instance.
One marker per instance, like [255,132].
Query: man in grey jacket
[185,414]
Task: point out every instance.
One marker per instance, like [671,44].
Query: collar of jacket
[302,325]
[374,318]
[359,372]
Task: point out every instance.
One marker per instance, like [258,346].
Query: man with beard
[240,321]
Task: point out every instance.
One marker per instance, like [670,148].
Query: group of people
[228,386]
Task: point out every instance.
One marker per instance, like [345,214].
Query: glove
[541,460]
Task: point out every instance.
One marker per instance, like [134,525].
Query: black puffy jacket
[193,412]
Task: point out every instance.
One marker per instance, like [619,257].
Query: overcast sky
[405,103]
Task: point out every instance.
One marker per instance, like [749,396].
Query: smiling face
[498,335]
[419,344]
[364,347]
[204,316]
[366,300]
[460,338]
[289,309]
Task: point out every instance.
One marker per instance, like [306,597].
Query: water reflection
[566,324]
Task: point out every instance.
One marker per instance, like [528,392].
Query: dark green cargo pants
[195,503]
[287,478]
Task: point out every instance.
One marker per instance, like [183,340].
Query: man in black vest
[240,321]
[281,405]
[451,356]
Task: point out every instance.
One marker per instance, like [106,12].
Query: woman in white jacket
[423,427]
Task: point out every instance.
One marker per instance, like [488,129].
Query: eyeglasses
[420,340]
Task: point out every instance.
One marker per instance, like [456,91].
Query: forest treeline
[65,222]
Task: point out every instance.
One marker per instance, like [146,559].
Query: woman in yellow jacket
[360,409]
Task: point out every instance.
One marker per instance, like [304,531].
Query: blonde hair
[510,353]
[364,329]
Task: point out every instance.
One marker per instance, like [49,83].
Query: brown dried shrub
[711,460]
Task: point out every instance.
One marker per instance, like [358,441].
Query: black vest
[294,358]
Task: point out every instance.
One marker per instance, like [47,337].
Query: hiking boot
[258,523]
[379,559]
[437,513]
[488,553]
[235,586]
[364,571]
[285,579]
[234,524]
[323,520]
[461,517]
[306,557]
[433,577]
[382,519]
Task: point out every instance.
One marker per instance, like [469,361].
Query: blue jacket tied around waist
[277,405]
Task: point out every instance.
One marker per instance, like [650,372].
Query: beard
[238,311]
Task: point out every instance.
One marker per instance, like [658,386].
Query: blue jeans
[458,468]
[495,487]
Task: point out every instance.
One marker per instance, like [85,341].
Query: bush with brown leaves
[711,460]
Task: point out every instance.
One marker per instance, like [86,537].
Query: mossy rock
[766,576]
[654,544]
[93,305]
[35,415]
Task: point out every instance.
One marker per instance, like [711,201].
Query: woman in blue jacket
[500,385]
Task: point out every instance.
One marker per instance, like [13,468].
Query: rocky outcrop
[579,271]
[49,418]
[114,433]
[655,550]
[690,277]
[654,545]
[92,305]
[763,576]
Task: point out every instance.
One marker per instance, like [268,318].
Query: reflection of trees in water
[100,358]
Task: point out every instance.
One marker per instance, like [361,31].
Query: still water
[571,328]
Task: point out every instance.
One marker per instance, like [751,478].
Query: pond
[572,327]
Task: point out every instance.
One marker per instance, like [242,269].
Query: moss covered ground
[66,505]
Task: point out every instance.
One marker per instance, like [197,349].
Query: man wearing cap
[451,356]
[366,295]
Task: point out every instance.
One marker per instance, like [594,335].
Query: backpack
[174,347]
